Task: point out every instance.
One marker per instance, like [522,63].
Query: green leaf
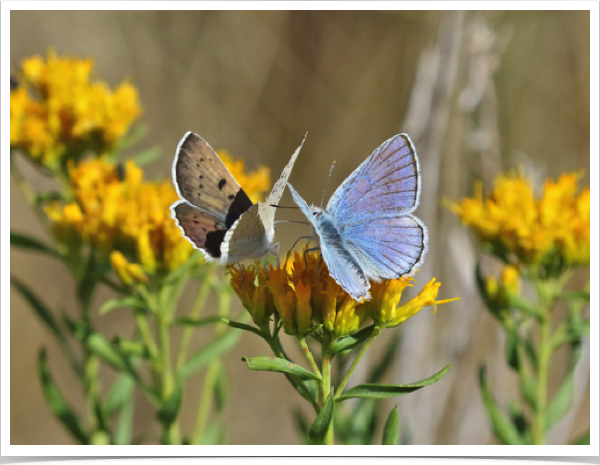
[210,435]
[391,430]
[119,394]
[318,430]
[130,348]
[576,295]
[530,353]
[243,326]
[146,157]
[221,389]
[29,243]
[101,347]
[583,440]
[517,417]
[529,390]
[364,419]
[383,391]
[561,402]
[511,349]
[124,426]
[40,309]
[187,321]
[170,408]
[86,281]
[525,306]
[503,428]
[346,344]
[278,365]
[59,406]
[209,352]
[130,301]
[386,361]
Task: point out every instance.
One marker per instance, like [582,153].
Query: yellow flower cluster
[533,230]
[255,183]
[301,298]
[114,209]
[57,108]
[499,293]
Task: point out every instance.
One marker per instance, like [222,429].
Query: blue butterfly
[368,231]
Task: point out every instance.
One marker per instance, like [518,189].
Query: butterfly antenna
[327,184]
[282,206]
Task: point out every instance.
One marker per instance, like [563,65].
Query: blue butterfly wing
[385,184]
[373,207]
[387,248]
[341,264]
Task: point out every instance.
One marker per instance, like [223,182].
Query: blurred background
[478,92]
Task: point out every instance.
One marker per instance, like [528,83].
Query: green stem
[326,389]
[545,352]
[374,334]
[142,323]
[170,434]
[309,356]
[195,313]
[545,299]
[214,366]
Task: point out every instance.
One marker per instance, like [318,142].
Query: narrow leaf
[170,408]
[301,424]
[209,352]
[529,390]
[561,402]
[86,282]
[238,325]
[391,430]
[124,426]
[383,391]
[100,346]
[221,389]
[30,243]
[504,430]
[187,321]
[59,406]
[318,430]
[129,301]
[348,343]
[147,156]
[511,349]
[119,394]
[279,365]
[40,309]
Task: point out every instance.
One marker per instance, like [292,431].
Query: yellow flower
[534,230]
[124,214]
[58,111]
[128,272]
[302,298]
[497,294]
[385,298]
[425,298]
[257,299]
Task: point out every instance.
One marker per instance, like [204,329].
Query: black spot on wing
[241,203]
[222,183]
[214,239]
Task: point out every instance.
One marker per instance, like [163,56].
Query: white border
[233,450]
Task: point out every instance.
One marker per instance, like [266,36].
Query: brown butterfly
[214,212]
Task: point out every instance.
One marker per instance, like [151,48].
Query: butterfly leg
[241,274]
[299,239]
[305,252]
[318,268]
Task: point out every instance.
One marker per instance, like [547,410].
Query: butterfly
[214,213]
[368,230]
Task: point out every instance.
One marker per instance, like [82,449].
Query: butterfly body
[368,231]
[214,213]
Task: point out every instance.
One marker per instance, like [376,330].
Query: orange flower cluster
[302,299]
